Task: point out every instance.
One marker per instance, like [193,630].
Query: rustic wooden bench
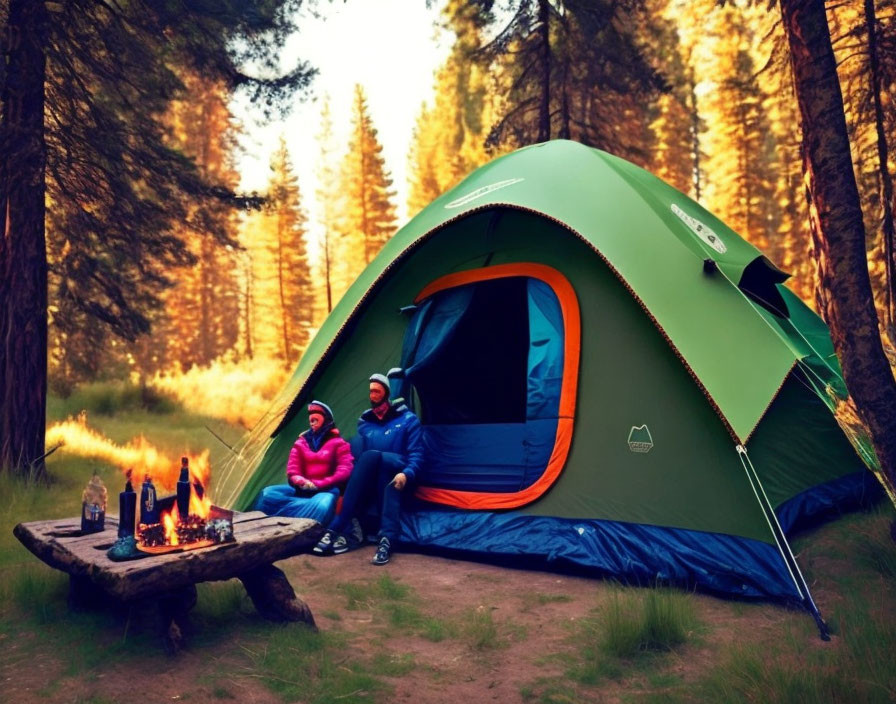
[170,579]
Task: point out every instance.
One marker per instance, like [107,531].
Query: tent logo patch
[639,439]
[479,192]
[702,231]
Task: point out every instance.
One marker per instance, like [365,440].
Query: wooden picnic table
[170,579]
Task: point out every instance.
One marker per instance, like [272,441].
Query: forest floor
[428,629]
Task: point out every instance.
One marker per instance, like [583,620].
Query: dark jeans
[369,483]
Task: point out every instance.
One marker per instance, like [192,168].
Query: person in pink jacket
[319,465]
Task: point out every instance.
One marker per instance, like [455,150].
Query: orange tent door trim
[569,306]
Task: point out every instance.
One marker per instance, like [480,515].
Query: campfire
[186,519]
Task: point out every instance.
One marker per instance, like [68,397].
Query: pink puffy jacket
[329,467]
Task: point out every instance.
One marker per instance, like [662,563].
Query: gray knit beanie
[382,381]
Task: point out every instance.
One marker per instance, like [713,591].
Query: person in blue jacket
[388,452]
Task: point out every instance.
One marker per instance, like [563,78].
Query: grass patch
[298,664]
[533,600]
[364,595]
[220,692]
[874,548]
[395,606]
[393,665]
[436,630]
[632,624]
[856,666]
[388,588]
[40,592]
[402,616]
[219,601]
[480,630]
[109,398]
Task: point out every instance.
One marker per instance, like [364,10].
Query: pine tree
[672,127]
[368,219]
[201,320]
[574,70]
[330,202]
[286,270]
[449,138]
[739,143]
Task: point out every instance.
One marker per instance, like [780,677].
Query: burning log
[204,525]
[151,536]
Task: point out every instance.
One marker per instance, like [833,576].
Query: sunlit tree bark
[844,296]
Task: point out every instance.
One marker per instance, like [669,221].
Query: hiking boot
[356,536]
[325,544]
[383,552]
[340,545]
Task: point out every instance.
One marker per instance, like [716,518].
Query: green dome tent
[607,375]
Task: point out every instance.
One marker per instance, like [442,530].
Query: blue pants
[369,486]
[281,500]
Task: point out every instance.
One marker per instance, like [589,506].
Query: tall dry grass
[238,392]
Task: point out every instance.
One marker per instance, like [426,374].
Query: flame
[200,469]
[170,520]
[77,438]
[201,507]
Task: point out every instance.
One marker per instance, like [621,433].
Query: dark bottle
[127,509]
[183,489]
[149,507]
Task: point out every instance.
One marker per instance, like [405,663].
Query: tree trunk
[886,182]
[23,257]
[844,291]
[544,102]
[327,270]
[694,135]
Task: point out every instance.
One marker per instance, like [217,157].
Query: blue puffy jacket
[399,432]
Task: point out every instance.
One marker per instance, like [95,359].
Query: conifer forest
[130,250]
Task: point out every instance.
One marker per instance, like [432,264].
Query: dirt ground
[535,614]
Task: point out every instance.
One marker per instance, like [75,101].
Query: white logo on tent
[702,231]
[639,439]
[479,192]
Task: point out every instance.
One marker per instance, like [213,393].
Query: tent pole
[783,546]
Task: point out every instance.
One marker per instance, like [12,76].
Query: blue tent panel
[633,553]
[488,457]
[831,499]
[545,364]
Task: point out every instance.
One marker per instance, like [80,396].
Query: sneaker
[324,545]
[356,536]
[340,545]
[383,552]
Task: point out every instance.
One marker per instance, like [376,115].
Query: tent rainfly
[607,375]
